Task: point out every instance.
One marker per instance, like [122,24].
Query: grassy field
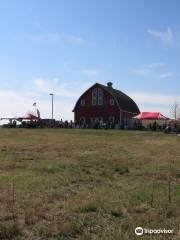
[88,184]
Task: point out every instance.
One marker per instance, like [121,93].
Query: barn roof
[124,101]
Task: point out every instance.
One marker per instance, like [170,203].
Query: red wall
[88,111]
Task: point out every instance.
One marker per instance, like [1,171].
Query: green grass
[88,184]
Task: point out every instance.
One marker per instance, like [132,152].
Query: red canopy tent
[150,116]
[27,116]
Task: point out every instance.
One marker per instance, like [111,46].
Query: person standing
[154,126]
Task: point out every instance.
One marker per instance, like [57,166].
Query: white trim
[100,96]
[94,96]
[82,102]
[111,102]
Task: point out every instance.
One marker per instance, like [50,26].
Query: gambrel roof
[124,102]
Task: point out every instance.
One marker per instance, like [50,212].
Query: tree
[175,110]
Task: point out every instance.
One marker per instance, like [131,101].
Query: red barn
[105,104]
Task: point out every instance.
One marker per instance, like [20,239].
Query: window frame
[111,102]
[82,119]
[111,119]
[94,96]
[100,96]
[82,102]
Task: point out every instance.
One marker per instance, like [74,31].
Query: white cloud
[148,69]
[154,102]
[54,38]
[154,65]
[143,71]
[155,71]
[166,75]
[165,110]
[154,98]
[73,39]
[90,72]
[166,37]
[7,94]
[46,86]
[14,104]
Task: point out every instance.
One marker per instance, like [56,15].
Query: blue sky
[65,46]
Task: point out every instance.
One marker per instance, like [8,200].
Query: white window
[94,96]
[82,102]
[101,121]
[111,119]
[111,101]
[82,119]
[100,96]
[92,120]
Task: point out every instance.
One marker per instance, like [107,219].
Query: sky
[65,46]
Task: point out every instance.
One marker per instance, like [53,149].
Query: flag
[34,104]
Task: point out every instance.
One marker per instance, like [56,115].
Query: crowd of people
[166,127]
[155,126]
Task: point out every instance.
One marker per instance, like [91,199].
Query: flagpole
[52,98]
[34,105]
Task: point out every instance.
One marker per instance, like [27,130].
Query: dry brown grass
[87,184]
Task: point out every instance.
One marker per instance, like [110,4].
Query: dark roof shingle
[124,101]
